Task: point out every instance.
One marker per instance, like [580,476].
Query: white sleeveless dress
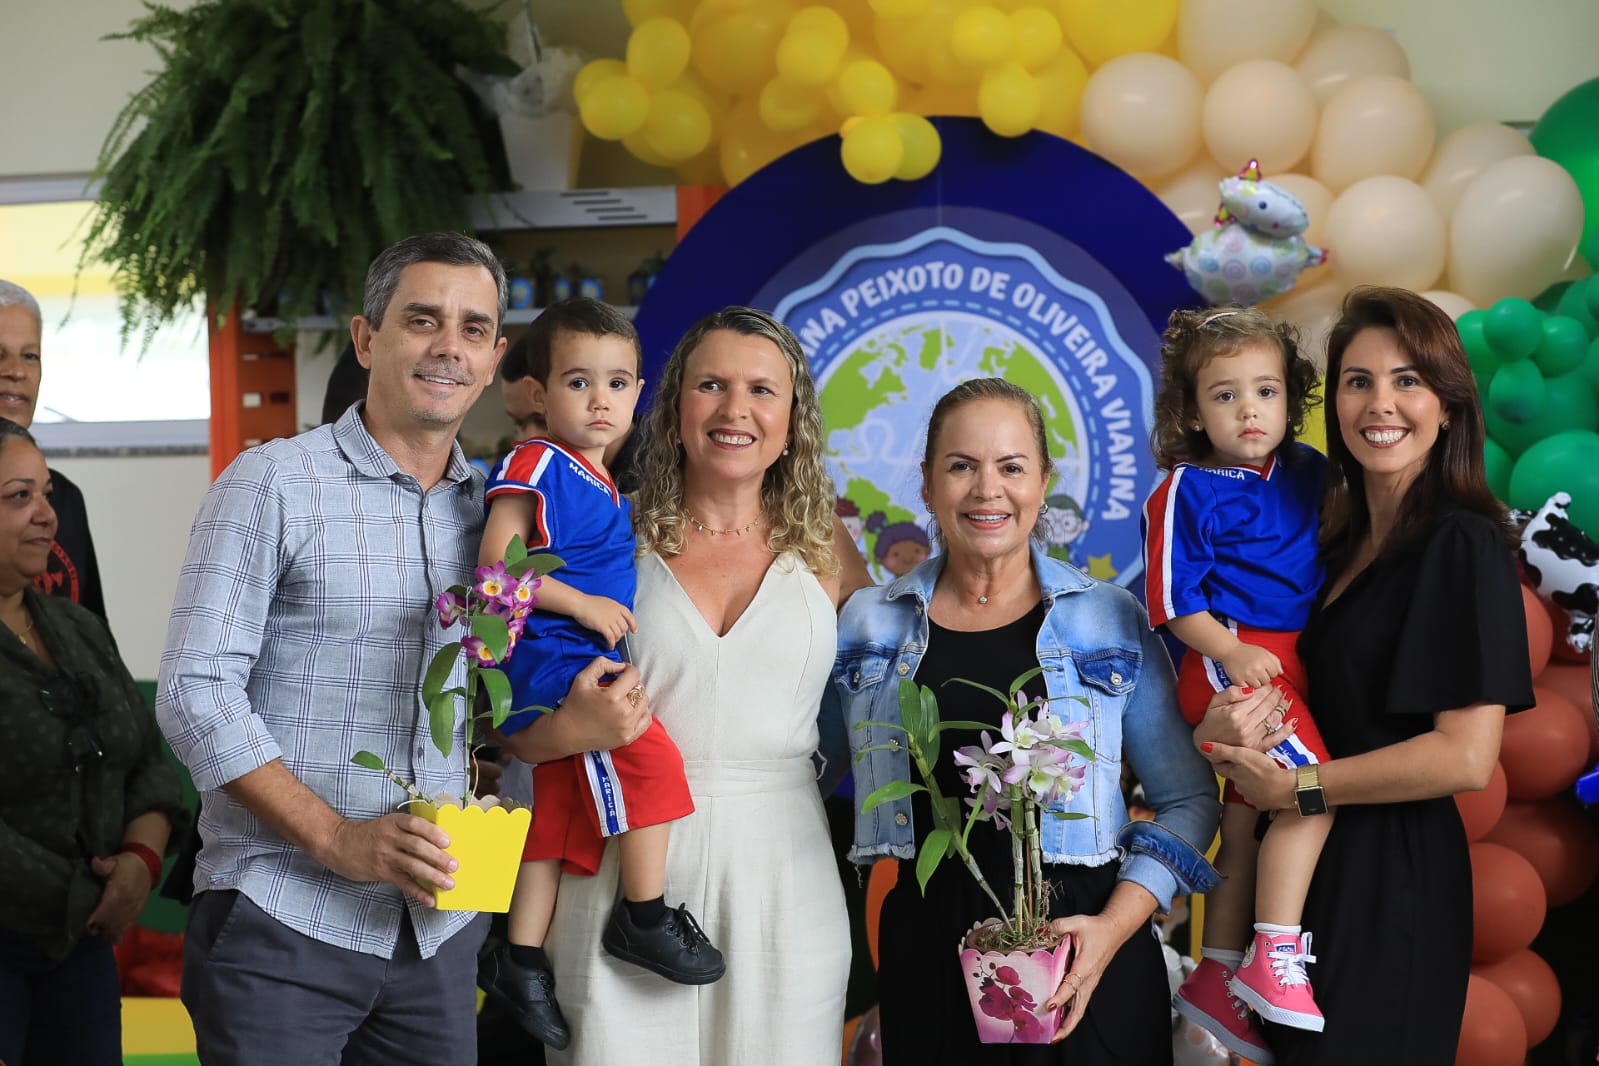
[754,862]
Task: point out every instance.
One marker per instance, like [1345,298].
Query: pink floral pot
[1008,990]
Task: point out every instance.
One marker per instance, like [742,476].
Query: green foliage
[284,143]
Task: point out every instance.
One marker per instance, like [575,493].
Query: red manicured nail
[1207,748]
[1246,690]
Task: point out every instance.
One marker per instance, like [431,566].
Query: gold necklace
[22,634]
[703,528]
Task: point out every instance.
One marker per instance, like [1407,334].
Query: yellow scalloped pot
[488,846]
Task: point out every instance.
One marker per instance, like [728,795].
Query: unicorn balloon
[1255,251]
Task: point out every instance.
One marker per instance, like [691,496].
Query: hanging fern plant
[284,143]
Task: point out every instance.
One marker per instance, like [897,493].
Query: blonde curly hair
[796,493]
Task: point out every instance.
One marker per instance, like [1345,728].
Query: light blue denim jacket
[1095,643]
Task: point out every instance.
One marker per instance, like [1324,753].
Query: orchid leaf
[545,562]
[439,669]
[1021,681]
[934,848]
[973,726]
[493,632]
[441,722]
[499,689]
[994,692]
[515,551]
[1078,747]
[894,790]
[881,725]
[1069,816]
[910,706]
[369,760]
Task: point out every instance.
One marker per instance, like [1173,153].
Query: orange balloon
[1480,810]
[1545,747]
[1540,631]
[1576,684]
[1554,836]
[1532,986]
[1507,902]
[1492,1033]
[884,876]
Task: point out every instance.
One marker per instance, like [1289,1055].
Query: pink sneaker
[1205,1000]
[1272,980]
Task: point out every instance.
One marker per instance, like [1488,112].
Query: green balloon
[1484,360]
[1568,133]
[1563,348]
[1498,463]
[1566,462]
[1574,304]
[1549,299]
[1517,392]
[1569,404]
[1513,328]
[1590,296]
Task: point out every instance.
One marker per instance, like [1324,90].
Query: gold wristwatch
[1309,796]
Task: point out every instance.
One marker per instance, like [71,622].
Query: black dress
[925,1014]
[1436,627]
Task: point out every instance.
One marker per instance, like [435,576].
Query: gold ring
[635,694]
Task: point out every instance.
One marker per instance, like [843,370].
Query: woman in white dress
[739,584]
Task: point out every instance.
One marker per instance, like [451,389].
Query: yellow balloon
[982,36]
[900,8]
[822,20]
[638,11]
[943,100]
[636,143]
[678,126]
[593,73]
[922,146]
[734,49]
[716,103]
[939,54]
[866,87]
[786,108]
[809,57]
[1008,100]
[1038,36]
[746,145]
[872,150]
[1060,94]
[614,108]
[1101,30]
[657,52]
[901,41]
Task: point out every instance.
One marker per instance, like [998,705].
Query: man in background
[72,571]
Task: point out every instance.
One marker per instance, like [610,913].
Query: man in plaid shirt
[301,628]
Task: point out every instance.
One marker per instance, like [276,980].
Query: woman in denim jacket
[990,606]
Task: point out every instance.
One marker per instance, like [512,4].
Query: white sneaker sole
[1260,1055]
[1272,1013]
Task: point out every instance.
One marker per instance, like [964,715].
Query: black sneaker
[677,949]
[527,993]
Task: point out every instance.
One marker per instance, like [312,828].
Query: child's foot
[1205,1000]
[676,947]
[528,993]
[1272,980]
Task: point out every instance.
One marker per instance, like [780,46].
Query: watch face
[1311,801]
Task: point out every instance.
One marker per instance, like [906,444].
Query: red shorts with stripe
[580,800]
[1200,677]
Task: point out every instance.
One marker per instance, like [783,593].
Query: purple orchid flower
[493,583]
[451,606]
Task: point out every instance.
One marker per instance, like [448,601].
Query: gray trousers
[262,994]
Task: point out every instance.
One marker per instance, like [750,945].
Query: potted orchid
[486,833]
[1012,962]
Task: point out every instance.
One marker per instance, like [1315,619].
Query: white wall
[140,511]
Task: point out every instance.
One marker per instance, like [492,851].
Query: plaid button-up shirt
[300,631]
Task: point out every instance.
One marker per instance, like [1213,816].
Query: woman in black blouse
[87,800]
[1414,652]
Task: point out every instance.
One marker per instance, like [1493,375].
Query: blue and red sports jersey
[1237,541]
[578,515]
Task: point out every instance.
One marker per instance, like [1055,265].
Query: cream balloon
[1259,109]
[1313,310]
[1514,230]
[1212,35]
[1466,153]
[1386,231]
[1339,55]
[1450,303]
[1191,194]
[1141,112]
[1379,124]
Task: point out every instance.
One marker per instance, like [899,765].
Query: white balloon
[1141,112]
[1514,230]
[1338,55]
[1191,194]
[1450,303]
[1386,231]
[1466,153]
[1379,124]
[1313,310]
[1259,109]
[1212,35]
